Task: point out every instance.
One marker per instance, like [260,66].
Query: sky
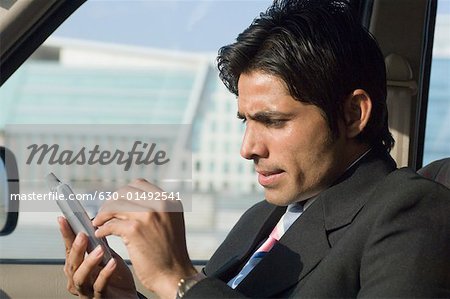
[444,6]
[187,25]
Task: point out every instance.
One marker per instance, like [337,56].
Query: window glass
[139,62]
[437,134]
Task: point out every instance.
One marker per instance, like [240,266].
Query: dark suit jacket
[377,232]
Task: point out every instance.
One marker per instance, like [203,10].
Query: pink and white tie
[292,213]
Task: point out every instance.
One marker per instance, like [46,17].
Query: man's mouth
[267,178]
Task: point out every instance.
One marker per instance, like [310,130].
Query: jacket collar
[244,241]
[291,258]
[342,202]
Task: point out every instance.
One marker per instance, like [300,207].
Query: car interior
[404,30]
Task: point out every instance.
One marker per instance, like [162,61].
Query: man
[311,88]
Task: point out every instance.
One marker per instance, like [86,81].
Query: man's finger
[144,185]
[152,191]
[86,269]
[67,234]
[118,210]
[116,227]
[103,277]
[76,254]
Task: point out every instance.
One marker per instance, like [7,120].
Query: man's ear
[357,111]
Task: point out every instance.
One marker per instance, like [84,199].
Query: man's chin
[278,198]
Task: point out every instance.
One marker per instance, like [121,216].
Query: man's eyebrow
[265,115]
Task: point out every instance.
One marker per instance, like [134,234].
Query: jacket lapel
[343,201]
[291,258]
[243,240]
[307,241]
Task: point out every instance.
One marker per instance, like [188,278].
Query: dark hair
[322,53]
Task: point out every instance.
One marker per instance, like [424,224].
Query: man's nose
[253,144]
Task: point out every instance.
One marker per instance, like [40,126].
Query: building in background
[78,82]
[437,135]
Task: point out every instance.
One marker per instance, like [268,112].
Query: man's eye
[242,118]
[275,122]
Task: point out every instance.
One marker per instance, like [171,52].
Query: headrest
[438,171]
[399,73]
[397,68]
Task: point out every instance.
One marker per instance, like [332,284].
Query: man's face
[289,141]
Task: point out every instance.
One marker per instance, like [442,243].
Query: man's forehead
[261,81]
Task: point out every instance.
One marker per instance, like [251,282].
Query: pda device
[76,216]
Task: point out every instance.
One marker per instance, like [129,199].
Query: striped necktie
[292,213]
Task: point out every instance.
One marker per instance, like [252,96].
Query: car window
[437,134]
[144,63]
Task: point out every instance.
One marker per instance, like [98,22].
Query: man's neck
[353,156]
[358,158]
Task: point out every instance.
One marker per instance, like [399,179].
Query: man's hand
[155,238]
[85,278]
